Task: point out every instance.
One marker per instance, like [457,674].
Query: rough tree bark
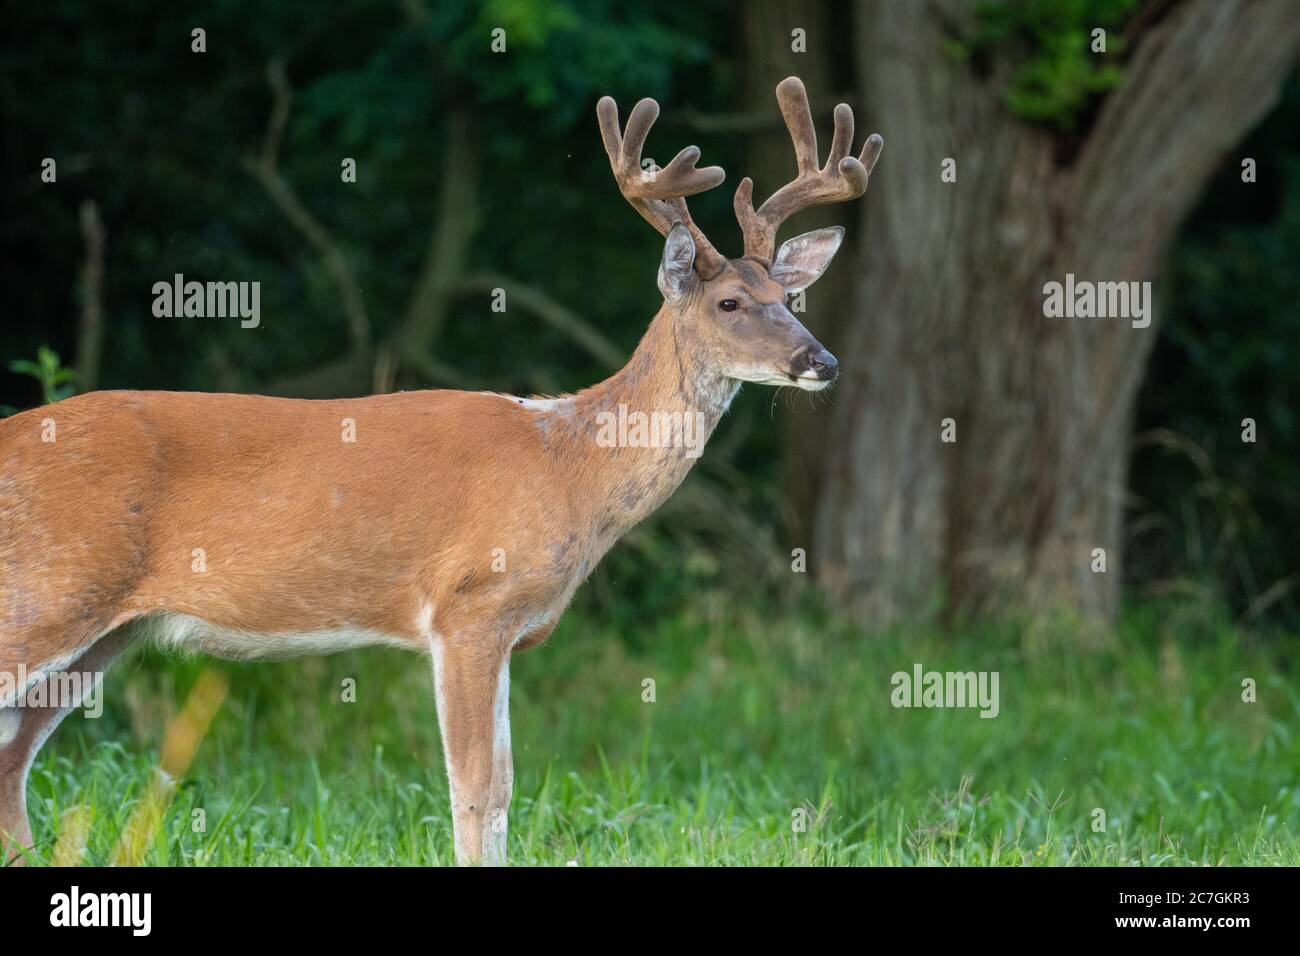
[948,313]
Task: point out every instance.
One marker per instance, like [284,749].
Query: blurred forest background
[1161,693]
[478,170]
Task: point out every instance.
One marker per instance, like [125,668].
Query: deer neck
[630,440]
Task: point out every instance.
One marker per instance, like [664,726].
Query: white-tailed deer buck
[453,523]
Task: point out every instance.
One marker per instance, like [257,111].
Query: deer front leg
[472,686]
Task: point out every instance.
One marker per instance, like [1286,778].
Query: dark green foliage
[156,134]
[1214,509]
[1056,74]
[56,381]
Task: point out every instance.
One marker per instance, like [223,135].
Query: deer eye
[727,305]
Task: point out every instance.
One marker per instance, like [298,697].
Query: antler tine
[843,177]
[793,100]
[842,140]
[658,194]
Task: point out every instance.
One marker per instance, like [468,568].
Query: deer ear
[675,267]
[801,261]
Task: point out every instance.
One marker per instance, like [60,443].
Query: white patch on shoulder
[185,632]
[542,404]
[11,721]
[564,404]
[549,411]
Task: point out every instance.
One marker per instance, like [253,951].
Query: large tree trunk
[949,316]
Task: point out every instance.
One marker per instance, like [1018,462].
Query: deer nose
[822,364]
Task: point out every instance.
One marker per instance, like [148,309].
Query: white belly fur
[188,633]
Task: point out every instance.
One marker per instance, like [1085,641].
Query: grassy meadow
[761,718]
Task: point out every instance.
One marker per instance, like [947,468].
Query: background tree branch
[90,336]
[265,170]
[555,314]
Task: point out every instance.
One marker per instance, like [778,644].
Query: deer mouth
[811,380]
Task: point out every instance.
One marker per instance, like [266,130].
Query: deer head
[735,309]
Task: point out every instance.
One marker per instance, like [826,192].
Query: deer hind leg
[472,685]
[23,730]
[15,834]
